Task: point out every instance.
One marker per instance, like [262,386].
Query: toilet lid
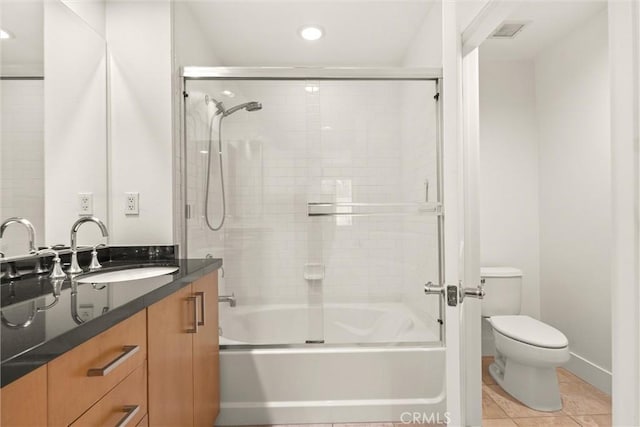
[530,331]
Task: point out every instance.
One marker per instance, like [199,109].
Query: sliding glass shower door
[331,206]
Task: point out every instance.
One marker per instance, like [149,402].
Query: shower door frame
[325,74]
[455,328]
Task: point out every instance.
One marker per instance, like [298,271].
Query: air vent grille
[508,30]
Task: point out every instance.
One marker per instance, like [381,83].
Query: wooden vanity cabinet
[183,356]
[206,355]
[24,402]
[160,367]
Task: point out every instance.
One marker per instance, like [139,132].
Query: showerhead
[249,106]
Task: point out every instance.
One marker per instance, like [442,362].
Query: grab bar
[365,209]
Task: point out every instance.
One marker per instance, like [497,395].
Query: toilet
[527,350]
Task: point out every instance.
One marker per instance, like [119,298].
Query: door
[170,359]
[206,383]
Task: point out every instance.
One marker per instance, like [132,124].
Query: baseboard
[590,372]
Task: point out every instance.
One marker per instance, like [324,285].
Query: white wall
[509,222]
[141,158]
[572,91]
[21,161]
[75,133]
[191,48]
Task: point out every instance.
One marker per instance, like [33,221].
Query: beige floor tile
[505,422]
[417,425]
[299,425]
[565,376]
[490,409]
[593,420]
[486,376]
[546,421]
[367,425]
[512,407]
[584,399]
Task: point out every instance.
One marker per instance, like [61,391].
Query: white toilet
[527,350]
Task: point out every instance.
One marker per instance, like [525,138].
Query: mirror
[53,110]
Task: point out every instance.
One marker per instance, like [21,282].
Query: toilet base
[536,387]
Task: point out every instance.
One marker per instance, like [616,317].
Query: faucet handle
[95,264]
[56,270]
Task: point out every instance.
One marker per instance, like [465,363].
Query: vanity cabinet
[81,377]
[24,402]
[183,356]
[158,367]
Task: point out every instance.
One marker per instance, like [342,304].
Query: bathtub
[379,361]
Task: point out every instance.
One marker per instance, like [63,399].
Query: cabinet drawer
[125,405]
[80,377]
[144,422]
[24,401]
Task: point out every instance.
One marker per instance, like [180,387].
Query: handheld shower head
[249,106]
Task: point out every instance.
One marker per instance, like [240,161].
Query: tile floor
[583,405]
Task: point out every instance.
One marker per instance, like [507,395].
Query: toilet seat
[529,331]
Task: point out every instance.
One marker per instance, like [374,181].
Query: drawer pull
[130,412]
[127,352]
[194,330]
[202,307]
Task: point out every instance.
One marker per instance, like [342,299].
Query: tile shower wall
[363,142]
[21,154]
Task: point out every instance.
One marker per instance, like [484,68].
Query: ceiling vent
[509,29]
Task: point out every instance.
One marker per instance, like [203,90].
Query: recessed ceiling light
[312,88]
[5,35]
[228,93]
[311,33]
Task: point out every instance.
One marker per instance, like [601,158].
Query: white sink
[126,275]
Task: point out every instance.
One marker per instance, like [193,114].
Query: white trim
[624,54]
[471,309]
[590,372]
[482,26]
[452,202]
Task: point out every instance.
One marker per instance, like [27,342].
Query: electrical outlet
[85,203]
[85,312]
[131,204]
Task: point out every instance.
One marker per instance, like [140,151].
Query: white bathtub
[336,382]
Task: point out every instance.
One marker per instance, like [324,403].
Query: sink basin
[126,274]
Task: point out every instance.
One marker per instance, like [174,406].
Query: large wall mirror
[53,112]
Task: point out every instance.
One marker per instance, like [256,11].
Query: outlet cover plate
[85,204]
[132,203]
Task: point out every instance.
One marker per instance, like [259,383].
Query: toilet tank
[503,290]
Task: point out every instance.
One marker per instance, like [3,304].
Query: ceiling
[265,33]
[24,54]
[549,21]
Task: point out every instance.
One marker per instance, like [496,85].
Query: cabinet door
[206,353]
[170,359]
[24,401]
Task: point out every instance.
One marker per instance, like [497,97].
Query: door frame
[624,57]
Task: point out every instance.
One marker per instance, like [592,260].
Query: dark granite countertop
[82,310]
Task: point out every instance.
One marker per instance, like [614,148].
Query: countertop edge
[19,366]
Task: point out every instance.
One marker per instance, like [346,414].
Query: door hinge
[187,211]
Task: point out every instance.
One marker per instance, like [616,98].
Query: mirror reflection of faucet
[75,267]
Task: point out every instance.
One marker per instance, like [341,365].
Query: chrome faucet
[27,224]
[75,267]
[231,299]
